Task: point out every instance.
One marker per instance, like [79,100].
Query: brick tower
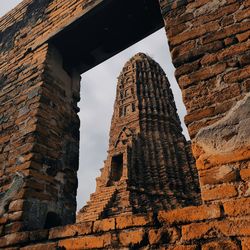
[149,164]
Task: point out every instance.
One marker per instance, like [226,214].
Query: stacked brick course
[209,42]
[191,228]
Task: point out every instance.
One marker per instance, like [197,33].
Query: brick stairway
[120,203]
[97,205]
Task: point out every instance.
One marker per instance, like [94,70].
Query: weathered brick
[194,33]
[221,192]
[190,214]
[226,32]
[243,14]
[16,216]
[245,243]
[222,11]
[245,174]
[239,207]
[104,225]
[218,245]
[15,238]
[234,50]
[228,228]
[243,36]
[198,115]
[154,236]
[71,230]
[131,238]
[237,75]
[181,56]
[16,205]
[87,242]
[217,175]
[163,235]
[39,235]
[183,247]
[202,74]
[133,221]
[13,227]
[196,4]
[45,246]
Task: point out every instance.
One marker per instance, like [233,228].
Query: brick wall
[192,228]
[39,127]
[209,42]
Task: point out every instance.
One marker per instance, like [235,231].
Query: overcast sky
[97,100]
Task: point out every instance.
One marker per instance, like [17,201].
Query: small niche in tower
[116,168]
[52,220]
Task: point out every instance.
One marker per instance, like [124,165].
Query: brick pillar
[39,142]
[209,43]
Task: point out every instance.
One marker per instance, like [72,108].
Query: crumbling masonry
[45,46]
[149,165]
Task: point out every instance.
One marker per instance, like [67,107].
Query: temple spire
[148,166]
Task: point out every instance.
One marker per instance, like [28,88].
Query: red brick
[194,33]
[87,242]
[198,115]
[154,236]
[159,236]
[16,205]
[194,53]
[215,229]
[218,175]
[201,74]
[226,32]
[245,243]
[189,214]
[183,247]
[13,227]
[245,174]
[243,36]
[234,50]
[131,238]
[237,207]
[133,221]
[16,216]
[237,75]
[45,246]
[196,4]
[242,14]
[221,192]
[71,230]
[222,11]
[104,225]
[219,245]
[15,238]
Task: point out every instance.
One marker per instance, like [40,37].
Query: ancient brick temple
[45,45]
[149,165]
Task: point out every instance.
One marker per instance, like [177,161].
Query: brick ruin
[44,49]
[149,165]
